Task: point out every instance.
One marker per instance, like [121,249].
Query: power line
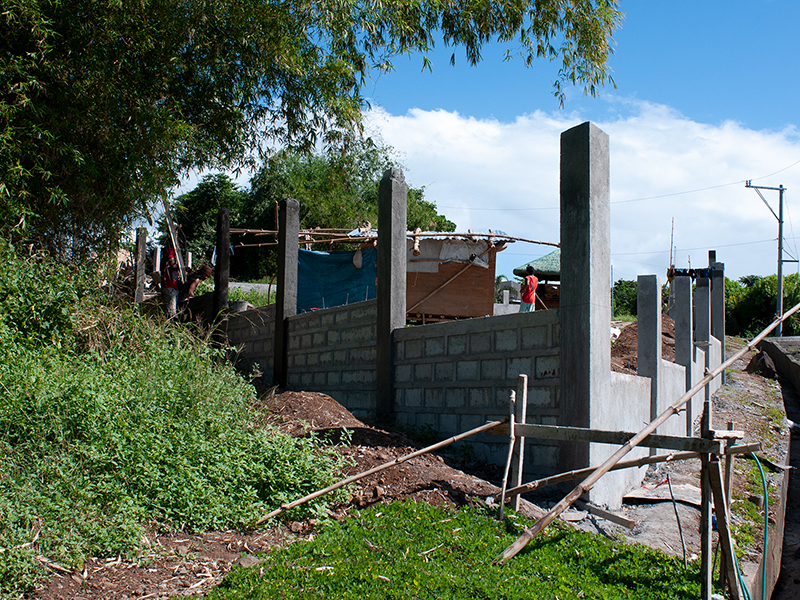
[705,189]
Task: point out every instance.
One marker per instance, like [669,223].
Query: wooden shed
[451,277]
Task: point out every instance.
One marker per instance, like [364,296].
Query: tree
[104,104]
[625,297]
[196,212]
[336,189]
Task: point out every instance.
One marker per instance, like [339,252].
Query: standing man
[529,291]
[170,282]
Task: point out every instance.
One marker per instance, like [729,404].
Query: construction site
[647,438]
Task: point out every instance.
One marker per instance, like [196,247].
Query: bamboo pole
[379,468]
[587,483]
[626,464]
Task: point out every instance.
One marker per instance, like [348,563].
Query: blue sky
[707,96]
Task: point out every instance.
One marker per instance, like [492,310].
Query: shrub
[109,420]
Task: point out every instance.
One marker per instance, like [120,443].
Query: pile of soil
[625,349]
[179,564]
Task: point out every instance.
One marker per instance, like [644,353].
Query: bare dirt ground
[183,564]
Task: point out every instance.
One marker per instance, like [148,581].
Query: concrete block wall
[456,376]
[335,351]
[253,332]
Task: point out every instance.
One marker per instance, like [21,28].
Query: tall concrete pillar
[139,260]
[648,302]
[222,268]
[718,303]
[684,342]
[391,282]
[585,282]
[702,333]
[286,296]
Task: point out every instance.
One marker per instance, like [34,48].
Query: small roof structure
[547,267]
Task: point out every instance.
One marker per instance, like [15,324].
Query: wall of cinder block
[252,333]
[455,376]
[334,351]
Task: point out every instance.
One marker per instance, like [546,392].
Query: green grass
[110,421]
[414,551]
[253,296]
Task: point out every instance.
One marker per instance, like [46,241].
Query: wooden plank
[723,527]
[604,514]
[470,292]
[600,436]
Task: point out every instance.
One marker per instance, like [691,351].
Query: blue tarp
[327,279]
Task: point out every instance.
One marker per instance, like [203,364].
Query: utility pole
[780,189]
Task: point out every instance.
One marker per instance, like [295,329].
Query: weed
[109,420]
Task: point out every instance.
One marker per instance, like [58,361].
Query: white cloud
[504,175]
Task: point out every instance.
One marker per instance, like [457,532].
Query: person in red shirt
[170,282]
[529,291]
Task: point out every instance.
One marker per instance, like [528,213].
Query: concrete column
[286,297]
[222,268]
[139,260]
[718,303]
[585,276]
[391,282]
[684,342]
[648,302]
[702,312]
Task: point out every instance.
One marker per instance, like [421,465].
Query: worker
[529,291]
[170,282]
[193,280]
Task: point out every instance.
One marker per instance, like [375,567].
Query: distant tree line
[749,302]
[335,190]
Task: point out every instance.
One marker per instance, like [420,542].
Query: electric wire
[642,199]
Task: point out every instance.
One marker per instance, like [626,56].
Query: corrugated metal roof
[545,267]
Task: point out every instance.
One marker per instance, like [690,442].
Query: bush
[109,420]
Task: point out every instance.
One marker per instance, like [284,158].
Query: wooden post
[728,491]
[141,257]
[512,411]
[723,527]
[221,272]
[706,549]
[520,416]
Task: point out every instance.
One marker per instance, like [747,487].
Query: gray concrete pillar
[718,303]
[585,276]
[648,302]
[222,268]
[702,312]
[286,296]
[139,260]
[392,196]
[684,339]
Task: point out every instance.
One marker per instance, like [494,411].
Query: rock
[762,364]
[247,561]
[378,492]
[296,527]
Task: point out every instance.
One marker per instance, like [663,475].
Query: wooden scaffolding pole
[589,482]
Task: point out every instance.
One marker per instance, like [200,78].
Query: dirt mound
[625,348]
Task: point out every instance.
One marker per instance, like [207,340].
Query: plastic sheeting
[327,279]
